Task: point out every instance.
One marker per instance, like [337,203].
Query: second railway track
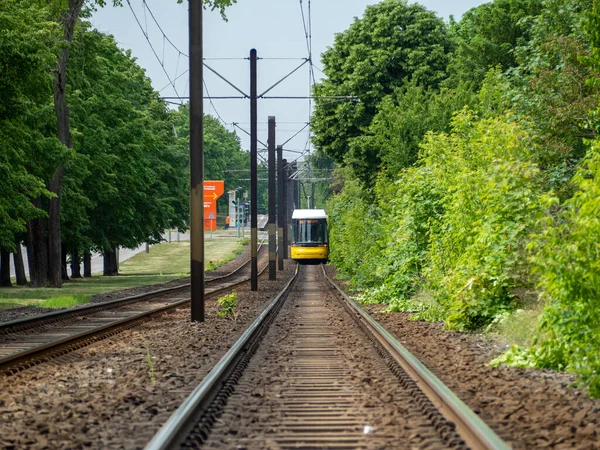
[28,342]
[318,381]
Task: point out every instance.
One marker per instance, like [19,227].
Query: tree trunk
[75,263]
[87,265]
[54,244]
[110,263]
[5,269]
[64,135]
[19,266]
[33,275]
[63,263]
[37,251]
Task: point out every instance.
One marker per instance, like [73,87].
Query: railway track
[315,371]
[28,342]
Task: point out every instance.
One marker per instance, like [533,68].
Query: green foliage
[394,43]
[567,261]
[490,195]
[129,180]
[355,232]
[486,38]
[27,48]
[227,305]
[555,88]
[402,120]
[456,225]
[515,356]
[468,219]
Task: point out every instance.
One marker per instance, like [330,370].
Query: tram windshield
[310,231]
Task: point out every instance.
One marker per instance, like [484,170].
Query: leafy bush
[227,305]
[490,196]
[567,261]
[356,235]
[415,206]
[456,226]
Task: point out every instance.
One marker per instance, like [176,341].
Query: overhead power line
[145,33]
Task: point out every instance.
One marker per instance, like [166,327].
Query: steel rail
[476,433]
[15,362]
[58,316]
[177,428]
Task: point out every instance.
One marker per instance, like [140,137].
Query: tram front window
[309,231]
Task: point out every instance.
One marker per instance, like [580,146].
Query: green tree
[67,14]
[486,37]
[129,174]
[403,119]
[553,89]
[393,44]
[27,47]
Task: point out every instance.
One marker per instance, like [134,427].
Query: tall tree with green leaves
[66,13]
[128,182]
[556,89]
[27,48]
[392,44]
[488,35]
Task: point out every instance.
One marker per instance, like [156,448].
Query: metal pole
[286,205]
[272,203]
[196,162]
[280,207]
[313,195]
[253,175]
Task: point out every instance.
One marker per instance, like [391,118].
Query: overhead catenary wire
[306,17]
[145,33]
[165,37]
[211,102]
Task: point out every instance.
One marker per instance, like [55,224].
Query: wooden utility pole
[272,203]
[280,207]
[196,162]
[253,174]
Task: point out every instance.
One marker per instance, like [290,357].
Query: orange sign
[213,189]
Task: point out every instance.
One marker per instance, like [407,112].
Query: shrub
[490,197]
[567,261]
[227,305]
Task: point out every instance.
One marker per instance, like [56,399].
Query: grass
[64,301]
[517,328]
[164,263]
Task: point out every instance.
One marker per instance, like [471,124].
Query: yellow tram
[309,235]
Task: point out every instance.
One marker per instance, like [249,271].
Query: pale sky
[274,27]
